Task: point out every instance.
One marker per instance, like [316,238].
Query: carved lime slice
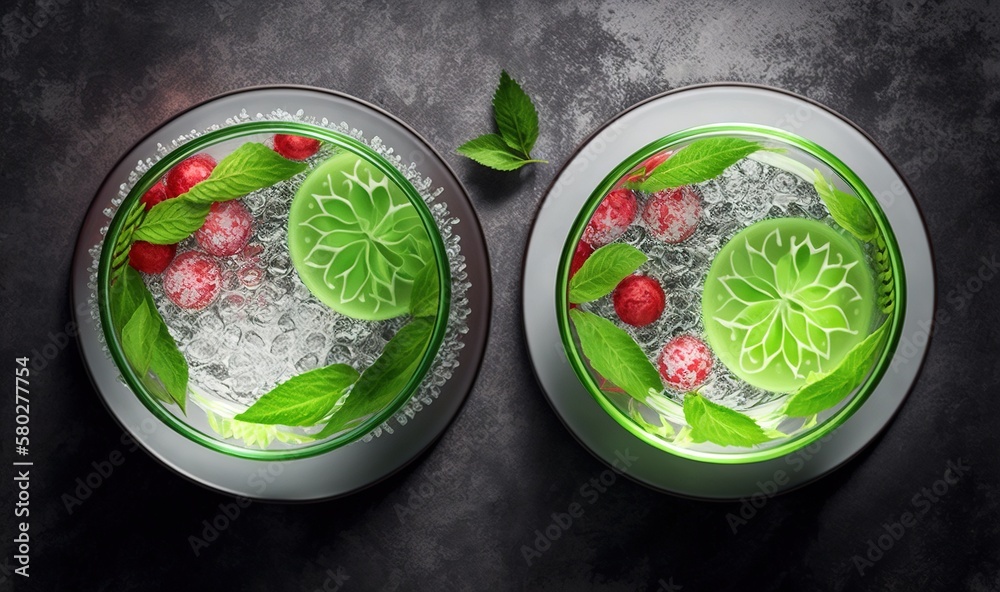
[356,240]
[784,298]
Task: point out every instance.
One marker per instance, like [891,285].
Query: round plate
[345,469]
[640,125]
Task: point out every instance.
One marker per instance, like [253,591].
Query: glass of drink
[730,293]
[273,289]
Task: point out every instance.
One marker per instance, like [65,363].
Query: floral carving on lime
[787,300]
[357,241]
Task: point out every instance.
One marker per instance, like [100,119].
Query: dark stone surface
[923,77]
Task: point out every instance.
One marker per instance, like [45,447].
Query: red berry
[226,230]
[647,166]
[154,195]
[295,147]
[580,255]
[150,258]
[639,300]
[672,215]
[612,218]
[188,173]
[684,362]
[193,280]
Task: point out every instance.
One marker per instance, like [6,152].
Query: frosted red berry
[192,280]
[150,258]
[672,215]
[188,173]
[226,230]
[154,195]
[685,362]
[295,147]
[580,255]
[612,218]
[639,300]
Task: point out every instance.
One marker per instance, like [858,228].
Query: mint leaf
[491,150]
[172,221]
[169,365]
[425,293]
[250,167]
[134,338]
[711,422]
[381,382]
[615,355]
[302,400]
[822,391]
[515,115]
[128,295]
[847,210]
[602,272]
[699,161]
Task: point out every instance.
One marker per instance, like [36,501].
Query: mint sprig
[711,422]
[822,391]
[306,399]
[615,355]
[697,162]
[249,168]
[303,400]
[603,271]
[517,123]
[381,382]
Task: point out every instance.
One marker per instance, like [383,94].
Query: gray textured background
[922,77]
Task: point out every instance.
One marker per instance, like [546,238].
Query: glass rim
[155,172]
[791,444]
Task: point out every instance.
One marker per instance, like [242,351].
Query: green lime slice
[784,298]
[356,240]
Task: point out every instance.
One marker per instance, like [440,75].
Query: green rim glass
[124,216]
[792,443]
